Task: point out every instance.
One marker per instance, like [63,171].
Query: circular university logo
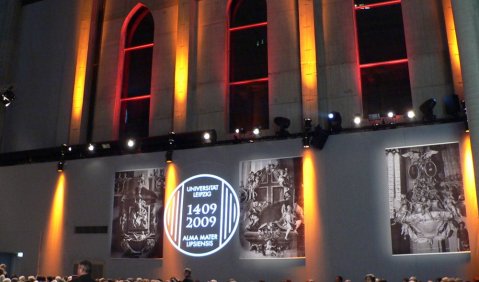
[201,215]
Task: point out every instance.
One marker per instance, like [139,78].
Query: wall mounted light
[357,120]
[427,109]
[60,166]
[334,122]
[169,156]
[7,96]
[411,114]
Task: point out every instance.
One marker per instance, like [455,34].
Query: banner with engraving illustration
[137,227]
[271,202]
[426,200]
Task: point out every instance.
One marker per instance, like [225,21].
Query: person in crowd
[84,272]
[188,277]
[370,278]
[338,278]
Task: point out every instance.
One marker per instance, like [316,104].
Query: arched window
[136,76]
[248,65]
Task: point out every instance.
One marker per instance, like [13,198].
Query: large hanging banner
[426,199]
[137,228]
[271,202]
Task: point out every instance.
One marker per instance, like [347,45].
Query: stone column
[466,15]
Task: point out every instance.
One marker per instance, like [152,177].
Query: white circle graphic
[201,215]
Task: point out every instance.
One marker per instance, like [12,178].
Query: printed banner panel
[271,208]
[137,227]
[426,200]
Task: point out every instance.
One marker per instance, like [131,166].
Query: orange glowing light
[80,75]
[469,178]
[453,48]
[309,80]
[174,262]
[53,241]
[181,67]
[312,214]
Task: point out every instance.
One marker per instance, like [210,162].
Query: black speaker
[319,137]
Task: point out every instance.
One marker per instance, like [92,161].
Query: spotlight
[239,134]
[64,149]
[169,156]
[130,143]
[91,147]
[307,124]
[306,141]
[319,137]
[171,138]
[20,254]
[357,120]
[334,122]
[209,136]
[8,96]
[390,114]
[256,131]
[60,166]
[206,136]
[411,114]
[283,124]
[427,109]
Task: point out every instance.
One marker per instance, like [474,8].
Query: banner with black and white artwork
[137,227]
[426,199]
[271,203]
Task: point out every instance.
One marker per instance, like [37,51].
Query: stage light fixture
[319,137]
[20,254]
[209,136]
[60,166]
[306,141]
[130,143]
[256,131]
[7,96]
[357,120]
[308,124]
[91,147]
[206,136]
[171,138]
[283,125]
[452,105]
[169,156]
[427,109]
[238,135]
[391,114]
[334,122]
[411,114]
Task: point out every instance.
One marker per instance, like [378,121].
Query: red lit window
[248,65]
[136,77]
[383,63]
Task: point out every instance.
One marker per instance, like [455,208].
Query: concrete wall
[352,235]
[44,68]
